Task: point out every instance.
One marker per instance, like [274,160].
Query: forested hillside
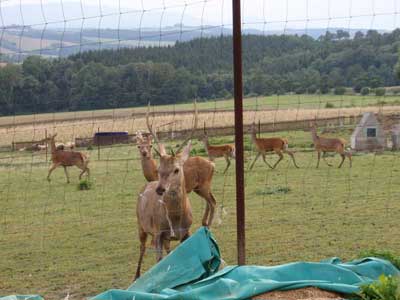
[199,68]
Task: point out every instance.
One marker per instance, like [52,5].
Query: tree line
[202,69]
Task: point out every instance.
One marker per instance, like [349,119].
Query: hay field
[70,129]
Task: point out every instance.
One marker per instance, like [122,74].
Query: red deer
[163,207]
[214,151]
[66,159]
[198,172]
[274,144]
[324,145]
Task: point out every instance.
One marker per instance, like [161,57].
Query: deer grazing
[226,151]
[324,145]
[265,145]
[66,159]
[197,170]
[163,208]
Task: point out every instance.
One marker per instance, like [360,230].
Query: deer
[163,208]
[149,164]
[214,151]
[198,172]
[324,145]
[66,159]
[274,144]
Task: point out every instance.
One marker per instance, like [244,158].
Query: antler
[193,130]
[161,151]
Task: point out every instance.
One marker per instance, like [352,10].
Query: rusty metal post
[238,92]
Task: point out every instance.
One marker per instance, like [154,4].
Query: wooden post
[47,144]
[98,144]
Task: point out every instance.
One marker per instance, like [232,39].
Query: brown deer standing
[324,145]
[149,165]
[264,145]
[226,151]
[66,159]
[198,173]
[163,208]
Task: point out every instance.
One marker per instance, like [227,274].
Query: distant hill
[18,42]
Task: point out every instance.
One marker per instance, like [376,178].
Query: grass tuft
[84,185]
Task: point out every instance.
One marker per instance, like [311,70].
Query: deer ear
[186,152]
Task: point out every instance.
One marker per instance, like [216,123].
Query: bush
[380,91]
[364,91]
[385,288]
[340,90]
[84,185]
[329,105]
[312,89]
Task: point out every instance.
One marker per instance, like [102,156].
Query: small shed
[110,138]
[369,134]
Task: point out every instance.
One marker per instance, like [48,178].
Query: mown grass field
[56,240]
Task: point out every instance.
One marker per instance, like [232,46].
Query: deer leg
[319,158]
[265,161]
[324,158]
[291,154]
[279,153]
[349,156]
[159,244]
[52,168]
[185,237]
[255,159]
[66,173]
[228,163]
[208,215]
[167,246]
[143,239]
[343,157]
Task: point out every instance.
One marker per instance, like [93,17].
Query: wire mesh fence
[78,68]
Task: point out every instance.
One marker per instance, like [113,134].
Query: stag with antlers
[265,145]
[66,159]
[324,145]
[163,208]
[197,170]
[226,151]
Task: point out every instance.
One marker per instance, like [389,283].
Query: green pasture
[56,239]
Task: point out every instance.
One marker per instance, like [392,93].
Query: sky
[259,14]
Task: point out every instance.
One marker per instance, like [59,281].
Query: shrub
[340,90]
[312,89]
[329,105]
[385,288]
[380,91]
[364,91]
[84,185]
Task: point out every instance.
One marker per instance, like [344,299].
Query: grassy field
[253,103]
[265,109]
[58,240]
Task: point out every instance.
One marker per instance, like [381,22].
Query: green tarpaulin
[191,272]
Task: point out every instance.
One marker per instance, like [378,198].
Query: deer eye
[176,171]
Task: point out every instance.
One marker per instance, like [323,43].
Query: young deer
[198,172]
[324,145]
[66,159]
[226,151]
[264,145]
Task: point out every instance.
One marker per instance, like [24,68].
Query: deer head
[144,144]
[170,171]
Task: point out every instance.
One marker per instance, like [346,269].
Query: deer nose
[160,190]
